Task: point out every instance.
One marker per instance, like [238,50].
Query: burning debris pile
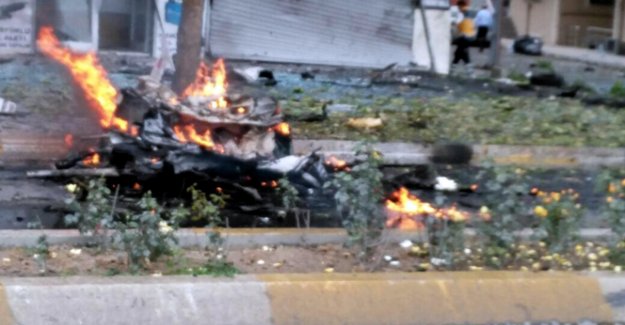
[211,136]
[220,140]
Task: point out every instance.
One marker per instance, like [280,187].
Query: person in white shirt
[483,22]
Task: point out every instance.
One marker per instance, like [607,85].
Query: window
[126,25]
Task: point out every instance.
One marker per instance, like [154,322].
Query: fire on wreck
[210,136]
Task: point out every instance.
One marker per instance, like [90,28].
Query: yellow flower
[540,211]
[555,196]
[609,199]
[611,188]
[623,182]
[592,256]
[604,252]
[618,268]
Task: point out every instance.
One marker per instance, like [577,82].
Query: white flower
[618,268]
[75,251]
[394,263]
[467,251]
[71,187]
[266,248]
[260,262]
[164,227]
[388,258]
[157,274]
[437,261]
[406,244]
[445,184]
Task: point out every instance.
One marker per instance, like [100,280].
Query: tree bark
[189,44]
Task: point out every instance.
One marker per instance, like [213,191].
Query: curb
[244,237]
[26,151]
[406,154]
[397,298]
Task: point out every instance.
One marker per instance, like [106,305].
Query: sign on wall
[167,18]
[16,26]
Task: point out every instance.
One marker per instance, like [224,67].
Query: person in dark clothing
[466,32]
[483,21]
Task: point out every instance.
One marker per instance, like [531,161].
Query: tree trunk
[189,45]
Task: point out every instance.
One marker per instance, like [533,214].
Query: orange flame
[188,133]
[405,209]
[338,164]
[283,129]
[209,84]
[92,160]
[90,76]
[69,140]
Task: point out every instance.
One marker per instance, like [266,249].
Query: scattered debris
[307,75]
[445,184]
[364,122]
[7,107]
[406,244]
[528,45]
[340,108]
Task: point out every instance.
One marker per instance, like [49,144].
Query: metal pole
[426,30]
[495,58]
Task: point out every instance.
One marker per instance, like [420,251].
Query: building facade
[368,33]
[596,24]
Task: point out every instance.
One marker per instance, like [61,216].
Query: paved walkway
[588,56]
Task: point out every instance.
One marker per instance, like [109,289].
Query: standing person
[466,32]
[484,22]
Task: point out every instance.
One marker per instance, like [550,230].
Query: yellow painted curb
[434,298]
[6,316]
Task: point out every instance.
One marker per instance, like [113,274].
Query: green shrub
[358,197]
[559,214]
[503,189]
[95,214]
[618,90]
[146,235]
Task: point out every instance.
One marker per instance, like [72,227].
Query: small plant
[210,210]
[445,232]
[359,197]
[504,189]
[618,90]
[93,216]
[518,77]
[615,208]
[288,193]
[583,86]
[42,249]
[145,236]
[544,65]
[559,214]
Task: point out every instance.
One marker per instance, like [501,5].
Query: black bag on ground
[528,45]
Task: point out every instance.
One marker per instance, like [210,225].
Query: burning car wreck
[220,140]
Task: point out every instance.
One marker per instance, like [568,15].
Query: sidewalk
[588,56]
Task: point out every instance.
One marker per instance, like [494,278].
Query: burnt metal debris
[243,151]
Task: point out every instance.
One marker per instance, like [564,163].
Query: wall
[544,18]
[439,22]
[576,16]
